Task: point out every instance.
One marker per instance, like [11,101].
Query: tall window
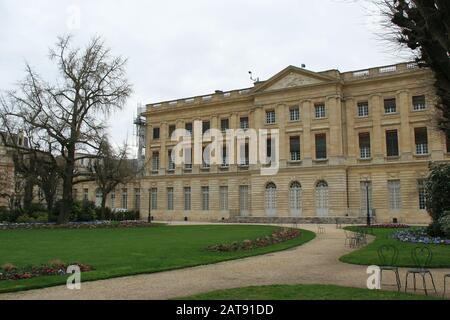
[364,145]
[155,133]
[270,117]
[271,199]
[363,109]
[113,199]
[137,199]
[321,146]
[295,198]
[224,198]
[319,110]
[205,159]
[154,198]
[171,164]
[244,124]
[322,199]
[422,194]
[244,200]
[85,194]
[225,161]
[394,194]
[294,144]
[390,106]
[155,161]
[187,198]
[206,125]
[172,129]
[188,158]
[294,113]
[269,148]
[188,127]
[124,198]
[419,103]
[224,124]
[205,198]
[244,154]
[170,199]
[392,143]
[421,138]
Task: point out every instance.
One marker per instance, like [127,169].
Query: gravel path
[313,263]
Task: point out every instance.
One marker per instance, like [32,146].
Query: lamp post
[367,183]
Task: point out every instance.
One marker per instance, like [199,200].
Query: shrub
[41,217]
[444,223]
[35,208]
[437,191]
[25,219]
[8,267]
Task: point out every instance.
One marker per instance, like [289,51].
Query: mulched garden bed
[11,272]
[77,225]
[278,236]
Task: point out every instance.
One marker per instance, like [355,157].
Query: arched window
[322,199]
[271,199]
[295,199]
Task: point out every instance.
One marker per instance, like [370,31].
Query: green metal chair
[445,284]
[422,257]
[388,256]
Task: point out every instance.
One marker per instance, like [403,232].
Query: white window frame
[154,198]
[205,198]
[170,199]
[294,113]
[187,199]
[394,190]
[320,111]
[223,198]
[363,109]
[270,117]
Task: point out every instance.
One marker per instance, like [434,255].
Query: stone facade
[379,134]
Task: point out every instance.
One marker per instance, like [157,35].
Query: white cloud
[183,48]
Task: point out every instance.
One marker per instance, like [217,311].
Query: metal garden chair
[422,257]
[388,256]
[445,284]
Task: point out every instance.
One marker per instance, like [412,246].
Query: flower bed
[11,272]
[418,236]
[77,225]
[278,236]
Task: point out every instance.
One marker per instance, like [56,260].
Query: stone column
[306,143]
[405,143]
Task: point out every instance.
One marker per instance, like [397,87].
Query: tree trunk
[67,198]
[28,194]
[103,208]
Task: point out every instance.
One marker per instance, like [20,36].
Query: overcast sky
[184,48]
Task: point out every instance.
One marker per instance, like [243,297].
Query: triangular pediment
[292,77]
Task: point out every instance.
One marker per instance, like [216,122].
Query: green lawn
[120,252]
[304,292]
[368,255]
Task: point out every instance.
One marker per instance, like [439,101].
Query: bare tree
[66,118]
[112,168]
[424,27]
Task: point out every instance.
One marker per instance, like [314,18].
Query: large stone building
[342,136]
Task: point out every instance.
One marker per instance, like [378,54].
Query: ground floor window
[394,194]
[322,199]
[224,198]
[154,198]
[271,199]
[295,198]
[187,198]
[243,200]
[205,198]
[86,194]
[170,199]
[422,195]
